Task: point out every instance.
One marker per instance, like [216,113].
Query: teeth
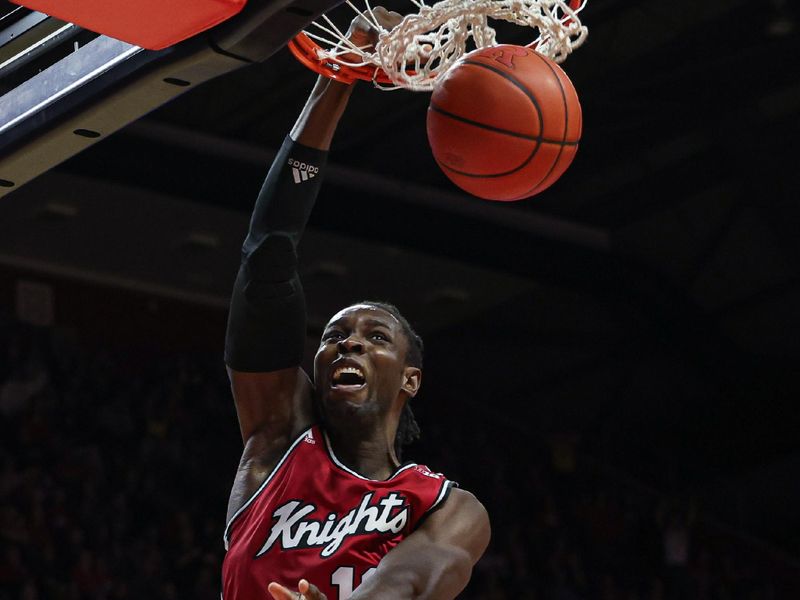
[341,370]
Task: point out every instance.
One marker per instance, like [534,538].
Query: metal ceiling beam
[578,257]
[539,225]
[659,166]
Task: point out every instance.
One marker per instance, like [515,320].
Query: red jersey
[315,519]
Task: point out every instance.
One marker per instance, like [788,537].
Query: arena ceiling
[654,289]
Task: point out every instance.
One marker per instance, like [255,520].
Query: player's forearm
[266,322]
[417,573]
[435,562]
[320,116]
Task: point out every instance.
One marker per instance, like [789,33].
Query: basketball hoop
[415,53]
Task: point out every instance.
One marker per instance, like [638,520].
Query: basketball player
[321,504]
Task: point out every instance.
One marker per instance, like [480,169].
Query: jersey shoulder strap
[309,436]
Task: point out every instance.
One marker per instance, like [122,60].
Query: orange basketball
[504,123]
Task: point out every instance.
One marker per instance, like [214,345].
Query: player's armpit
[276,404]
[435,562]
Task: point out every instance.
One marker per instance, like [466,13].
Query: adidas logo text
[302,171]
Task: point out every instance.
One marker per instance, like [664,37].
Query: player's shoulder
[466,505]
[463,507]
[461,522]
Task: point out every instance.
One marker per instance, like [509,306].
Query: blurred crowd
[115,468]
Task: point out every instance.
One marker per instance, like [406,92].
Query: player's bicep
[435,562]
[460,529]
[273,404]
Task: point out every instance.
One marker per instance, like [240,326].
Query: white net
[424,45]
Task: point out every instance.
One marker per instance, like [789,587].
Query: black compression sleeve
[267,318]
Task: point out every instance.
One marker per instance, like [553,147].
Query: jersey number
[344,578]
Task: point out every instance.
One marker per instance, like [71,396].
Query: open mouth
[351,378]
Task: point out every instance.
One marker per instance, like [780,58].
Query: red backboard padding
[151,24]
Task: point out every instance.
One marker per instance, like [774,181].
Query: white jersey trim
[344,467]
[255,495]
[444,493]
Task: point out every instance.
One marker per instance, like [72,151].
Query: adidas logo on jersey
[427,473]
[294,529]
[302,171]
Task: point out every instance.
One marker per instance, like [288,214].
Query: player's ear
[412,380]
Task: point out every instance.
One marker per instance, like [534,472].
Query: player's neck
[367,453]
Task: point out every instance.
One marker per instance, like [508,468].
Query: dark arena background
[611,367]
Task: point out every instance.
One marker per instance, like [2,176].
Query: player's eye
[333,336]
[382,337]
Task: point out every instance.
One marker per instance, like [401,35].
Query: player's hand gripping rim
[306,591]
[363,33]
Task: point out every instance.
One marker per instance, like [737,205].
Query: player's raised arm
[267,322]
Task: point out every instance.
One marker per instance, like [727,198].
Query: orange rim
[307,51]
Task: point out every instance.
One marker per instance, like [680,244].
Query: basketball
[504,123]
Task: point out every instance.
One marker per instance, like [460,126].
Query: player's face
[361,362]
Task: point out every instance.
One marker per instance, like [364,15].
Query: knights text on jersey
[315,519]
